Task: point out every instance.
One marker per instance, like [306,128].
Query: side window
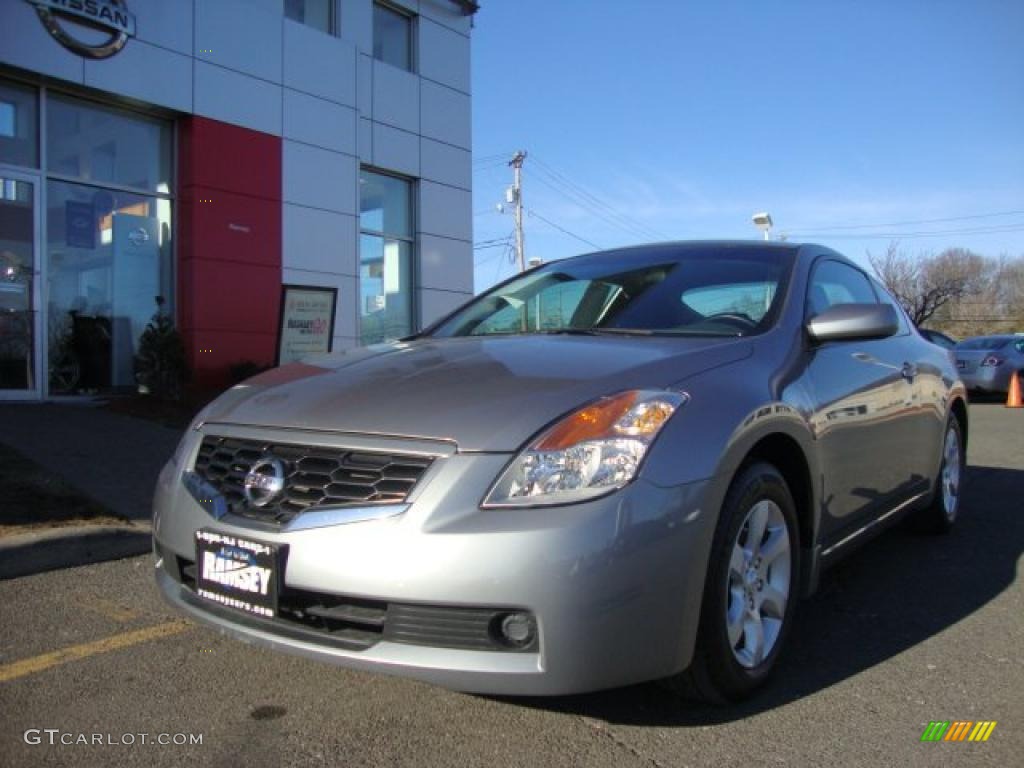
[887,298]
[836,283]
[553,307]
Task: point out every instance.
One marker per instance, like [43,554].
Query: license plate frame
[238,573]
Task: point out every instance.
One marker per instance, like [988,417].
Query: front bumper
[614,584]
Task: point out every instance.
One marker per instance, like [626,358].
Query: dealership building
[290,176]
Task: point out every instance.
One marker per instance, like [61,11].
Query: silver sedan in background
[625,466]
[986,363]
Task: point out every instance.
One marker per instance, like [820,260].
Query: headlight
[589,453]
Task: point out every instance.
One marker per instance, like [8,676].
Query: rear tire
[941,514]
[751,590]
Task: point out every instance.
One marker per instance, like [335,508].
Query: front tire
[941,514]
[751,590]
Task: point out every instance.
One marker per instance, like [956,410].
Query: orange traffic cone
[1013,396]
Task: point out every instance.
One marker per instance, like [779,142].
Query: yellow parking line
[35,664]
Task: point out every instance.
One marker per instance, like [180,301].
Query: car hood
[485,394]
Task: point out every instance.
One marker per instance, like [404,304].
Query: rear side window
[752,300]
[835,283]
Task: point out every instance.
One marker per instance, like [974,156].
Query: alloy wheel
[758,583]
[951,474]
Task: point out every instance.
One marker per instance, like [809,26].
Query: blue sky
[655,120]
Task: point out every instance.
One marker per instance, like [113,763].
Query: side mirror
[849,322]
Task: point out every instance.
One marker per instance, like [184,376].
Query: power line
[624,220]
[490,158]
[919,221]
[594,200]
[587,208]
[492,255]
[562,229]
[909,235]
[593,210]
[494,242]
[487,167]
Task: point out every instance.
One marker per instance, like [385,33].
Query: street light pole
[763,221]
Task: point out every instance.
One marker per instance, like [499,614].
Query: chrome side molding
[867,527]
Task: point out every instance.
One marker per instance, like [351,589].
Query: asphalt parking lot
[909,630]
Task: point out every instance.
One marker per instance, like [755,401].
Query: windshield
[709,291]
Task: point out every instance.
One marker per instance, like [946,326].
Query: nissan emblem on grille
[264,481]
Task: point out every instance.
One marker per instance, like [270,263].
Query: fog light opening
[515,630]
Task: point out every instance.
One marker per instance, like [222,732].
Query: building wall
[327,106]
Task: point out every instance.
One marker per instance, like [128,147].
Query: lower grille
[442,627]
[359,624]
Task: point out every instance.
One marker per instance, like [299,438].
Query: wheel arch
[788,446]
[958,408]
[785,454]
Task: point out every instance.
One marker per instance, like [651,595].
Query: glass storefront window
[19,125]
[107,146]
[384,280]
[385,257]
[108,258]
[17,271]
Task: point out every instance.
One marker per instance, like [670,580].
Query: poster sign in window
[307,322]
[79,224]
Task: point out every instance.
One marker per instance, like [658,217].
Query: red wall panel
[223,156]
[234,296]
[229,246]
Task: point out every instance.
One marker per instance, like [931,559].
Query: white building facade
[246,160]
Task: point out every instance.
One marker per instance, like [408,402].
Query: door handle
[909,371]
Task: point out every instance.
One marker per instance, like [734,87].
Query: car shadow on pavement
[895,592]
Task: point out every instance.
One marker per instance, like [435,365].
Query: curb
[56,548]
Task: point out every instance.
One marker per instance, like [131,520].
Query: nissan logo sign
[109,17]
[264,481]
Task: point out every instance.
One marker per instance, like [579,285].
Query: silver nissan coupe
[624,466]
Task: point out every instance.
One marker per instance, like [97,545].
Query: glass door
[20,349]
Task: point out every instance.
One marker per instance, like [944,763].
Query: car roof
[980,341]
[992,337]
[675,248]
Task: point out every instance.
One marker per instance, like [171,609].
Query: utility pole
[516,193]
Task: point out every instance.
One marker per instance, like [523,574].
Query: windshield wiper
[594,332]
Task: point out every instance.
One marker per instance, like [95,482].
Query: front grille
[315,476]
[358,624]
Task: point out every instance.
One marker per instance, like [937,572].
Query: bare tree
[926,284]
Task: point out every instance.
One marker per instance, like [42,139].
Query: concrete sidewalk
[114,459]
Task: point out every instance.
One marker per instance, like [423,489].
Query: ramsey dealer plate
[238,573]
